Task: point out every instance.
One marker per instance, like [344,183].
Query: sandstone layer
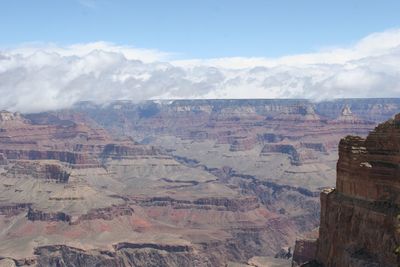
[359,219]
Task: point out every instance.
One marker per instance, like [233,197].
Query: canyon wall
[359,223]
[243,124]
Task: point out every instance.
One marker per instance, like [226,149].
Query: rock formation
[125,254]
[48,170]
[304,251]
[359,218]
[284,149]
[3,159]
[347,116]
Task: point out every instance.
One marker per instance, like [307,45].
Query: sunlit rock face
[359,218]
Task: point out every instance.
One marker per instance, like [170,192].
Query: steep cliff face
[359,218]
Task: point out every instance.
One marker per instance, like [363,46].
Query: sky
[55,53]
[199,29]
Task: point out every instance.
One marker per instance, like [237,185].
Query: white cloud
[38,77]
[80,50]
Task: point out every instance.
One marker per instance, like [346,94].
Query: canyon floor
[171,183]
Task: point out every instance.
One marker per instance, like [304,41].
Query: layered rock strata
[359,218]
[245,124]
[125,254]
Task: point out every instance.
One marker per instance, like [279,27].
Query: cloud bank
[39,77]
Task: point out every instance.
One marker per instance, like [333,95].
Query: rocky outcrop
[220,204]
[50,138]
[284,149]
[14,209]
[37,215]
[244,204]
[120,151]
[166,247]
[347,116]
[50,171]
[107,213]
[125,254]
[3,159]
[242,143]
[359,218]
[73,158]
[270,138]
[304,251]
[300,112]
[284,253]
[10,117]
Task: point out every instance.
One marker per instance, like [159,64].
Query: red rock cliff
[359,218]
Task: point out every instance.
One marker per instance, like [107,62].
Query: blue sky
[54,53]
[199,29]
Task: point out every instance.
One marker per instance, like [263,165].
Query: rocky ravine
[359,219]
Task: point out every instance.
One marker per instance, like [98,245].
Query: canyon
[191,182]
